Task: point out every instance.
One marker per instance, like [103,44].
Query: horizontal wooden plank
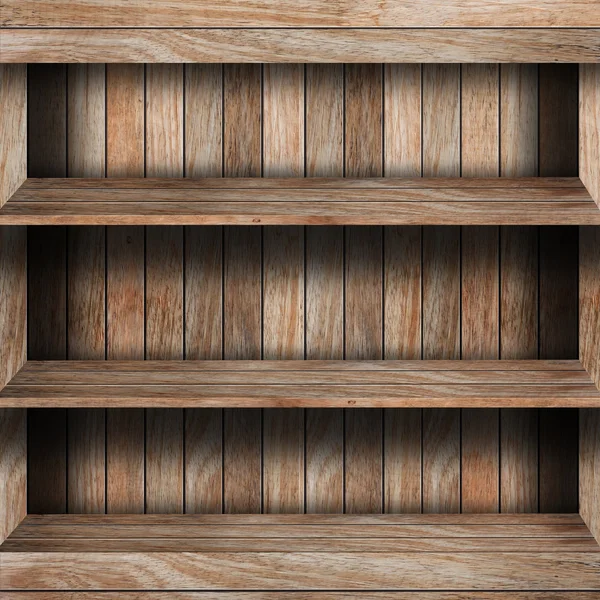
[311,595]
[311,384]
[300,13]
[152,366]
[303,213]
[302,202]
[281,45]
[300,571]
[295,183]
[261,520]
[291,532]
[338,544]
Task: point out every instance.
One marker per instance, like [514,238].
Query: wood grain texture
[324,285]
[13,301]
[589,125]
[13,469]
[304,595]
[86,130]
[589,469]
[402,120]
[86,466]
[125,120]
[277,45]
[203,120]
[13,126]
[267,13]
[164,461]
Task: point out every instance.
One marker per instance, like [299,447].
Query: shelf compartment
[400,384]
[335,201]
[309,552]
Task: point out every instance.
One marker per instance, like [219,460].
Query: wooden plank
[86,464]
[278,571]
[13,301]
[519,461]
[265,13]
[164,461]
[203,120]
[13,125]
[125,328]
[589,349]
[283,287]
[282,45]
[402,120]
[13,469]
[203,461]
[324,284]
[589,125]
[125,120]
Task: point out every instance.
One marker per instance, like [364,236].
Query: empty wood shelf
[335,201]
[301,384]
[301,552]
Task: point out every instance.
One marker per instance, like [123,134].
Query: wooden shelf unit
[555,553]
[65,445]
[335,201]
[302,384]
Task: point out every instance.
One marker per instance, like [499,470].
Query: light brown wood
[269,13]
[281,45]
[304,595]
[13,469]
[589,469]
[589,125]
[13,129]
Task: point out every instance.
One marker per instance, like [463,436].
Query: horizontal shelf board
[297,44]
[272,552]
[301,384]
[301,202]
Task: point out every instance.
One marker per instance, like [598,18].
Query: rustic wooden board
[13,469]
[589,125]
[13,125]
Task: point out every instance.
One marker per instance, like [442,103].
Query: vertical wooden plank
[559,250]
[47,120]
[589,351]
[402,120]
[13,468]
[46,287]
[441,286]
[125,120]
[13,301]
[519,286]
[86,120]
[519,460]
[86,461]
[402,286]
[242,442]
[441,120]
[518,120]
[13,127]
[480,283]
[364,288]
[164,287]
[125,428]
[203,287]
[324,288]
[559,93]
[242,120]
[164,460]
[589,126]
[204,120]
[86,286]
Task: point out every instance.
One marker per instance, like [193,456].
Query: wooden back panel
[303,292]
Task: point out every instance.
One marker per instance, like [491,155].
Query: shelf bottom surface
[310,553]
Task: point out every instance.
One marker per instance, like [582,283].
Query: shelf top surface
[319,201]
[239,384]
